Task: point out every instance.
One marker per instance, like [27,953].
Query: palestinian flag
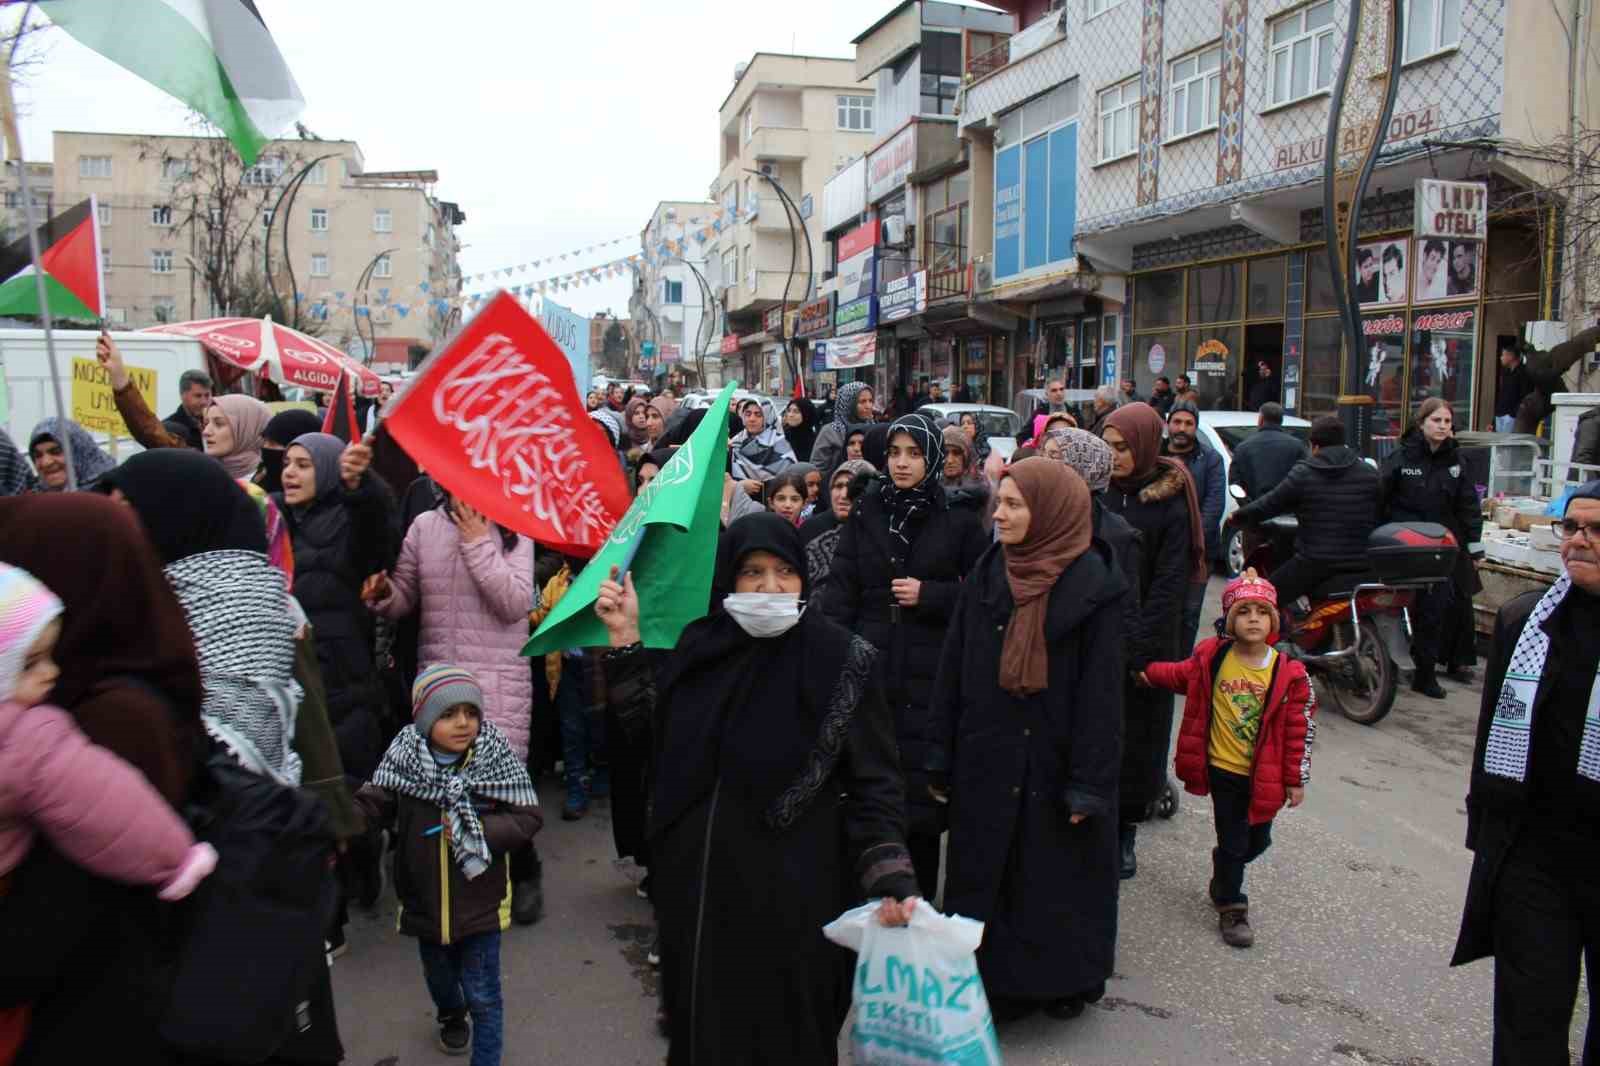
[69,252]
[214,55]
[341,417]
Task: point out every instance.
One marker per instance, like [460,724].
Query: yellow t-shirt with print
[1238,701]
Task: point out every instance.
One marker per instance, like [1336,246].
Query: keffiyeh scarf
[238,611]
[490,771]
[1506,754]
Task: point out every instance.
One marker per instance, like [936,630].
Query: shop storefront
[1434,313]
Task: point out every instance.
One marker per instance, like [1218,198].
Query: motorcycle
[1356,637]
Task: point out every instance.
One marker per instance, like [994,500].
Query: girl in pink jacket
[96,809]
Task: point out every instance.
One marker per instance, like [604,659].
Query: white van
[154,360]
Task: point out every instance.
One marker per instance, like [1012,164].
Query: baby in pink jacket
[96,809]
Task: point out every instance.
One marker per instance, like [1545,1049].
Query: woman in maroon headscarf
[1156,496]
[87,952]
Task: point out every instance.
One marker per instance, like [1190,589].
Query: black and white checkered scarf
[489,771]
[237,605]
[1506,754]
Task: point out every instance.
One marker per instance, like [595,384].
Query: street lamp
[706,300]
[291,191]
[791,214]
[361,293]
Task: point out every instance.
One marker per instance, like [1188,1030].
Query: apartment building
[372,255]
[794,121]
[14,220]
[1147,188]
[667,302]
[898,219]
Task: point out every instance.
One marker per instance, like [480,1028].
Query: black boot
[1426,683]
[1130,862]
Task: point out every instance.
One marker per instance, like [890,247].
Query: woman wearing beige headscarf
[1027,721]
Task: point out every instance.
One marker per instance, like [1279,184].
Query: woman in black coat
[1156,497]
[777,804]
[800,427]
[895,576]
[1028,740]
[344,527]
[1424,480]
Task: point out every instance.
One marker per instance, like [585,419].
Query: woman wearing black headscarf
[280,432]
[1028,742]
[800,427]
[894,579]
[87,952]
[777,806]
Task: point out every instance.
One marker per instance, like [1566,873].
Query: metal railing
[985,63]
[947,283]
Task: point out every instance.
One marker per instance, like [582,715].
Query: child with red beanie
[1248,724]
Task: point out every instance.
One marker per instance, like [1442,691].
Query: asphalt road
[1355,909]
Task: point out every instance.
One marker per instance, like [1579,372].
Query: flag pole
[15,139]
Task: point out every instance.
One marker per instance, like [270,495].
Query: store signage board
[903,297]
[730,343]
[890,166]
[1455,209]
[815,317]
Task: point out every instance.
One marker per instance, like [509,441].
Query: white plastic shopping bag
[918,997]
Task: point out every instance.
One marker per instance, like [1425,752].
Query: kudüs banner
[497,419]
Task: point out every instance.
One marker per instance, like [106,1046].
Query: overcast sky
[555,123]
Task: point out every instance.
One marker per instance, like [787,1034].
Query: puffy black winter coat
[339,540]
[1423,486]
[1264,458]
[1334,495]
[1159,511]
[858,597]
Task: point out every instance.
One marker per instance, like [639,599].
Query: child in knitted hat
[95,809]
[457,800]
[1246,740]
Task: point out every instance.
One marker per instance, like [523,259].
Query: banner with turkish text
[497,419]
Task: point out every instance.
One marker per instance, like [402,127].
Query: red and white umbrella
[287,356]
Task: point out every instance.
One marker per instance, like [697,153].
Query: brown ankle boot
[1234,922]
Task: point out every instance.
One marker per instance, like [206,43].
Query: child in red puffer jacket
[1248,724]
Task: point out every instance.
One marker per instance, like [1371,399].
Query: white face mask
[763,614]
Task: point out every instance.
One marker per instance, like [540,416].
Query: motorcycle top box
[1412,553]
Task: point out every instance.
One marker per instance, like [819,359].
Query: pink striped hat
[26,607]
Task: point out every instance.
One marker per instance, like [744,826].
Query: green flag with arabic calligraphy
[667,541]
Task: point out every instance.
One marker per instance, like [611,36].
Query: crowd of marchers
[258,656]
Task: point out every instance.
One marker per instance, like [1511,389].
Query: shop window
[1156,355]
[1319,283]
[941,72]
[1266,287]
[1515,257]
[1383,375]
[1323,342]
[1213,366]
[1214,293]
[1444,346]
[1158,299]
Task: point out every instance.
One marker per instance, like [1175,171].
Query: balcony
[1029,63]
[985,63]
[947,284]
[778,142]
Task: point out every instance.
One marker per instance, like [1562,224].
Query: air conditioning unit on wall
[982,274]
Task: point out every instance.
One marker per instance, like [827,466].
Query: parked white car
[1225,431]
[998,425]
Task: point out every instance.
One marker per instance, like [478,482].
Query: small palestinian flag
[341,417]
[214,55]
[69,252]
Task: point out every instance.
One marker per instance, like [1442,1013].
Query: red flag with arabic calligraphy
[496,419]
